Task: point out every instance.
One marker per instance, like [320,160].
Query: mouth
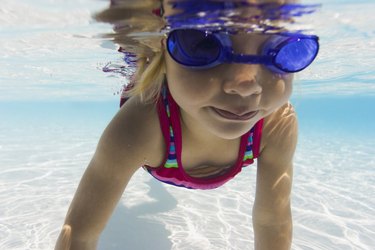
[232,116]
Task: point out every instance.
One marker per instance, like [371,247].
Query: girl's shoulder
[280,132]
[135,132]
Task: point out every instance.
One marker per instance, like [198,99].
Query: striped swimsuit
[172,172]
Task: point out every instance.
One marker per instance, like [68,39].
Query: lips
[232,116]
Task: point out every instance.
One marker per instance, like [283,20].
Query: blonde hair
[149,77]
[130,17]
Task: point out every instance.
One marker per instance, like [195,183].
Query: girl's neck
[200,147]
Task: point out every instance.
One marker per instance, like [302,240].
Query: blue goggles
[281,53]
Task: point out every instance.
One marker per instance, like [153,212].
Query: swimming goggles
[281,53]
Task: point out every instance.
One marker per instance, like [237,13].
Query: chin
[231,131]
[225,128]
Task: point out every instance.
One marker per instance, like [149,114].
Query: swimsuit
[171,170]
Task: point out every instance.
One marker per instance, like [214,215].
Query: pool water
[55,101]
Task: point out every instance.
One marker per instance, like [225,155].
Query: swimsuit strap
[253,143]
[171,161]
[249,155]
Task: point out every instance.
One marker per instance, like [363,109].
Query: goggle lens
[193,48]
[296,55]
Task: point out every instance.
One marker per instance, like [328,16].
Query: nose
[242,80]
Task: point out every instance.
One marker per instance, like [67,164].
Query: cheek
[283,86]
[288,82]
[187,84]
[277,91]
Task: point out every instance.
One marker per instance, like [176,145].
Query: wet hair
[149,78]
[129,17]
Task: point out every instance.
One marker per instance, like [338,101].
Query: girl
[204,106]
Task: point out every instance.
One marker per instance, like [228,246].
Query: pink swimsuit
[172,172]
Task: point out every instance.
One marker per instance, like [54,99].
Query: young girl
[203,107]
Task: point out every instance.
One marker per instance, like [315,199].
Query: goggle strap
[249,59]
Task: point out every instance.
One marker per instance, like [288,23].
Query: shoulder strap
[164,112]
[257,136]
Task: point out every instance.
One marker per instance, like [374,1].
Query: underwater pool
[55,101]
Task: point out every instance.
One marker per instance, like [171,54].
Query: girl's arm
[132,139]
[272,220]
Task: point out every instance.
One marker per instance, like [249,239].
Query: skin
[134,138]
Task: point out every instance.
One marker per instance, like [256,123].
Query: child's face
[250,91]
[236,88]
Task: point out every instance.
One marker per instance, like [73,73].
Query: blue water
[55,102]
